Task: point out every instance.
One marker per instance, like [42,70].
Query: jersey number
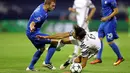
[91,36]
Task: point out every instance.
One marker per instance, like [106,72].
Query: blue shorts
[108,29]
[38,43]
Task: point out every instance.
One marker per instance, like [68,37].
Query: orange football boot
[118,61]
[96,61]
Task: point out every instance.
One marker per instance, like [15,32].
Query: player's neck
[45,7]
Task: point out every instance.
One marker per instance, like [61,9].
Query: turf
[16,52]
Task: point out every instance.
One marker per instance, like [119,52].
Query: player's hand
[104,19]
[32,29]
[71,9]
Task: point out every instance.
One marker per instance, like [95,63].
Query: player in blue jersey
[108,28]
[36,20]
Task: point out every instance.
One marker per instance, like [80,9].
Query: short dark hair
[79,31]
[49,1]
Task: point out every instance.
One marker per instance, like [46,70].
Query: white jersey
[89,45]
[82,8]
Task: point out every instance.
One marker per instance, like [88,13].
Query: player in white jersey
[82,8]
[88,42]
[89,46]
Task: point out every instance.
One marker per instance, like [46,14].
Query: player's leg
[50,53]
[99,54]
[71,57]
[52,49]
[40,48]
[84,61]
[76,49]
[115,48]
[101,35]
[35,58]
[38,43]
[80,21]
[111,35]
[68,62]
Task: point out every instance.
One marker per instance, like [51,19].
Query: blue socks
[99,54]
[35,59]
[113,46]
[50,53]
[38,53]
[116,50]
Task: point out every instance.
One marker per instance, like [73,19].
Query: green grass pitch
[16,52]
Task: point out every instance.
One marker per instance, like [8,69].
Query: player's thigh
[110,31]
[80,16]
[46,41]
[101,33]
[39,43]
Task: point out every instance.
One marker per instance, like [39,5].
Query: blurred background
[14,15]
[16,50]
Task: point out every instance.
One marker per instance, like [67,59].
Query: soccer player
[82,8]
[36,20]
[88,42]
[108,28]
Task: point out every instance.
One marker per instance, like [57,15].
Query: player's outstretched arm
[66,40]
[60,35]
[55,36]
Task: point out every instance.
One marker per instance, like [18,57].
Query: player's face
[52,6]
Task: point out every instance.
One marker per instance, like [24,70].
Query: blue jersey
[108,28]
[38,16]
[108,6]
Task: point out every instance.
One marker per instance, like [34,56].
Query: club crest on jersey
[38,18]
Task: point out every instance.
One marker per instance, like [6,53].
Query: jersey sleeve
[113,3]
[90,4]
[37,18]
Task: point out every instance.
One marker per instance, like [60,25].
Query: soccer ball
[76,68]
